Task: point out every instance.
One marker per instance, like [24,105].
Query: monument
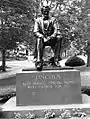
[53,86]
[56,87]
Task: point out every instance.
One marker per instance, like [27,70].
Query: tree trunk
[65,53]
[3,60]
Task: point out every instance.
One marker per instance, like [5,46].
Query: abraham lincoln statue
[46,33]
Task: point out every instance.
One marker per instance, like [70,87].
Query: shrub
[74,61]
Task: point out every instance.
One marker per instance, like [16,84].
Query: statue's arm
[36,29]
[55,28]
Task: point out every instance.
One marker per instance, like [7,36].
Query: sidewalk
[15,67]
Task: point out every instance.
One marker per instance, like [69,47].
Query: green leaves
[19,15]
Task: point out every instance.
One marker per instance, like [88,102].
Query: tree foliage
[17,20]
[18,17]
[71,17]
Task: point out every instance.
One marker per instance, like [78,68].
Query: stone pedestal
[50,87]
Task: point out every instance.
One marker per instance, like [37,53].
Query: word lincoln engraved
[48,76]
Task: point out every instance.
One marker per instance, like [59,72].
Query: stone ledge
[49,68]
[10,105]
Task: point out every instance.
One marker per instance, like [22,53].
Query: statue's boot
[57,63]
[39,66]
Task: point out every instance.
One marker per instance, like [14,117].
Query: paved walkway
[15,67]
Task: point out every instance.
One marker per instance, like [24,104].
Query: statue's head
[45,8]
[45,11]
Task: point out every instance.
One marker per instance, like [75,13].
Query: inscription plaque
[48,88]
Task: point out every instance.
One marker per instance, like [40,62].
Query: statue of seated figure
[46,33]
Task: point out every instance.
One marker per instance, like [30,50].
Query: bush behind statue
[74,61]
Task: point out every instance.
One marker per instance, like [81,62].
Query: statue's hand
[46,39]
[59,37]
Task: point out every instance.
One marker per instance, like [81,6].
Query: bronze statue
[46,33]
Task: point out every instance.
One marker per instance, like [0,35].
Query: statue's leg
[40,48]
[35,52]
[57,48]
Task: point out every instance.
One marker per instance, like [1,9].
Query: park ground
[16,66]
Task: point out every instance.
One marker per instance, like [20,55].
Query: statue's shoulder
[53,19]
[39,19]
